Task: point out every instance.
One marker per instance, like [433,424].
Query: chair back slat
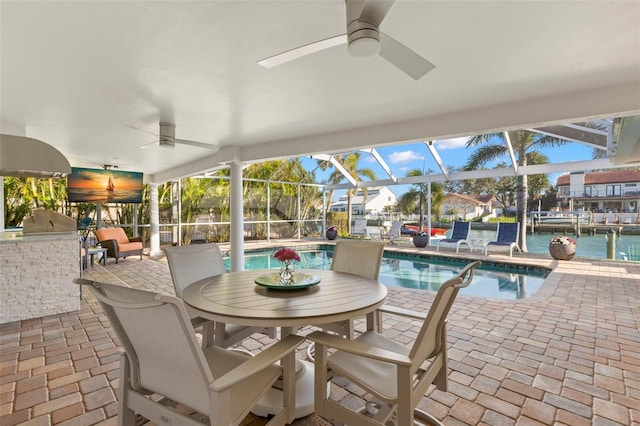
[358,257]
[429,339]
[189,264]
[460,230]
[163,352]
[507,233]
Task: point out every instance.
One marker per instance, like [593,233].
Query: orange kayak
[413,229]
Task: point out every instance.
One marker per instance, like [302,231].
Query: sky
[453,152]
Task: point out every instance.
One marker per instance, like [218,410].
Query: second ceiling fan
[364,40]
[167,139]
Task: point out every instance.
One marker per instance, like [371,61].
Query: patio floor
[568,355]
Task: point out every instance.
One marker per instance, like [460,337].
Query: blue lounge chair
[459,235]
[507,237]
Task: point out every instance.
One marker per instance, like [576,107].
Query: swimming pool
[424,272]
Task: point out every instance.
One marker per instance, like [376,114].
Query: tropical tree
[418,195]
[525,146]
[350,164]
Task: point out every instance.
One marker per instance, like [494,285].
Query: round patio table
[235,298]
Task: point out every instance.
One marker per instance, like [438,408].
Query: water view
[423,273]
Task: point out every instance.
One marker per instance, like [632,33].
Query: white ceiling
[82,75]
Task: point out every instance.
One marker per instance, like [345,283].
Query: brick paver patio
[568,355]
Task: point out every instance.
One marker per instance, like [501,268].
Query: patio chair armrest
[111,246]
[358,348]
[254,364]
[403,312]
[135,240]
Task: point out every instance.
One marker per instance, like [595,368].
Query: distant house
[376,200]
[615,191]
[467,207]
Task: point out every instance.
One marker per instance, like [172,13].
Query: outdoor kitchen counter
[36,274]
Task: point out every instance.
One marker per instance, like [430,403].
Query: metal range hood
[28,157]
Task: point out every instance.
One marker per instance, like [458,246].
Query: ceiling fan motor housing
[363,39]
[167,135]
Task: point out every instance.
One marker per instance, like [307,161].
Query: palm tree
[525,146]
[419,194]
[350,164]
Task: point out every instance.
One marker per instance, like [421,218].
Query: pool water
[422,272]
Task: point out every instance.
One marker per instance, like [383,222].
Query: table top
[96,249]
[235,298]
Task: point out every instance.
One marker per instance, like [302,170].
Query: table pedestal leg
[271,403]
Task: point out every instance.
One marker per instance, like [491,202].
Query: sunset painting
[104,186]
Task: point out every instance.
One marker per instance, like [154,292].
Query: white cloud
[405,157]
[453,143]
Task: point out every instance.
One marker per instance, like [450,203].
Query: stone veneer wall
[36,277]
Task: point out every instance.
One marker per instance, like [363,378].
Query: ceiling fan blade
[141,130]
[404,58]
[197,144]
[299,52]
[374,11]
[149,145]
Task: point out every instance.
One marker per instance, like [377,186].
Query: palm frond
[485,154]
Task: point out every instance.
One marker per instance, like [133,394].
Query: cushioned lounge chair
[117,243]
[162,359]
[396,375]
[506,238]
[459,235]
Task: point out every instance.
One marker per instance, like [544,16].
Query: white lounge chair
[459,235]
[395,232]
[162,359]
[506,237]
[396,375]
[192,263]
[360,228]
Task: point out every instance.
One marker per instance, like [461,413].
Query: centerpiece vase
[286,272]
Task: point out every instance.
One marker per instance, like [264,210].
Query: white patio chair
[393,373]
[162,357]
[459,235]
[506,237]
[360,228]
[395,231]
[355,257]
[192,263]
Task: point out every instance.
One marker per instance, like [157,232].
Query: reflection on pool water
[423,272]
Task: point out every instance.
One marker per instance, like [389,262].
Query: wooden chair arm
[135,240]
[258,362]
[358,348]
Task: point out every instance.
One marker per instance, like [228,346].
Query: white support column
[98,216]
[237,218]
[1,203]
[136,232]
[154,220]
[429,207]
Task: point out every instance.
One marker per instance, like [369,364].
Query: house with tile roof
[614,191]
[467,207]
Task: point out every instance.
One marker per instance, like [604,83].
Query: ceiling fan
[168,139]
[364,40]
